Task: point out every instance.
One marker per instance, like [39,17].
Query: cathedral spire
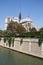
[19,15]
[20,11]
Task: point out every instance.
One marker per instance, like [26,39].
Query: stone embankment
[25,45]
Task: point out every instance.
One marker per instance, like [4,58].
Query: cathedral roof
[27,19]
[15,18]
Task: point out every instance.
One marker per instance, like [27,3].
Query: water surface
[9,57]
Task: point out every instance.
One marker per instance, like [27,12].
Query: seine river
[9,57]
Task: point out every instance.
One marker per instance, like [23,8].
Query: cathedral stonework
[26,22]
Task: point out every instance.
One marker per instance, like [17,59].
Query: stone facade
[26,22]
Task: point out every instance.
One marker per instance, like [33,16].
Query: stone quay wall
[26,45]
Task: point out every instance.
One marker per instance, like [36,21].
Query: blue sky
[31,8]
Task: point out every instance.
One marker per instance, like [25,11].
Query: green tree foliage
[21,41]
[41,38]
[0,38]
[9,34]
[1,33]
[9,41]
[4,39]
[33,29]
[41,29]
[13,39]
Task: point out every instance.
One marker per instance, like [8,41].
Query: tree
[41,29]
[1,33]
[33,32]
[20,28]
[33,29]
[12,26]
[15,27]
[41,38]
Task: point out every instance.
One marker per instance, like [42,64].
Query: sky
[31,8]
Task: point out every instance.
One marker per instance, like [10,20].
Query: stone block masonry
[26,45]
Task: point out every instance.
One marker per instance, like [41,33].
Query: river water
[9,57]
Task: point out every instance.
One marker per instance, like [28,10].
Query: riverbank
[12,57]
[30,54]
[28,46]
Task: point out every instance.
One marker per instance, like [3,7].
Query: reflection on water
[9,57]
